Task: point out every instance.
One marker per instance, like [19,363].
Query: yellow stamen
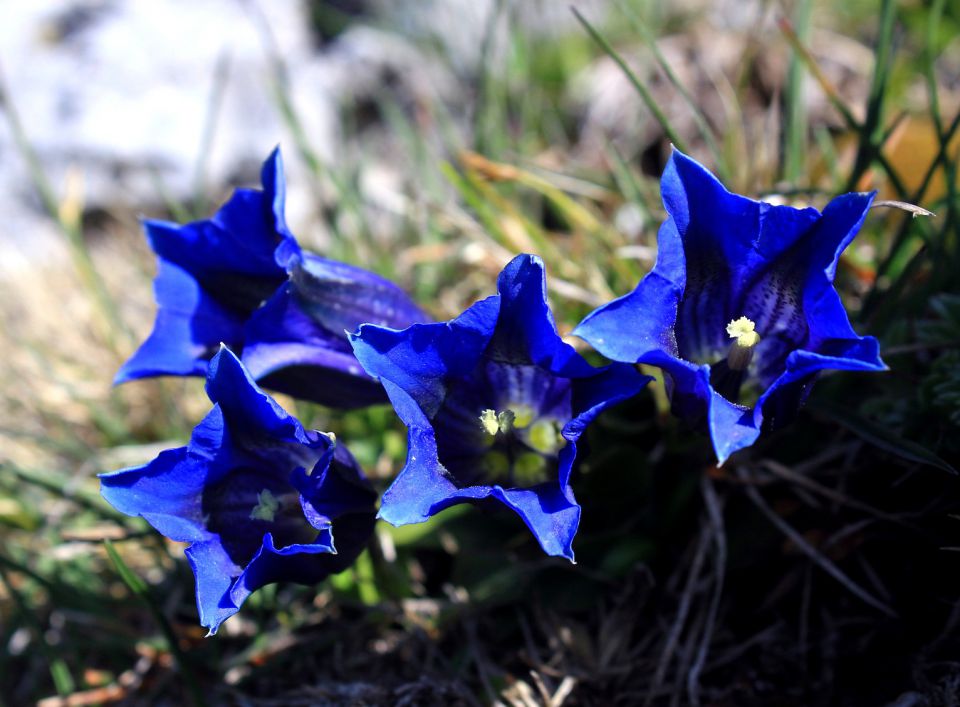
[745,338]
[494,421]
[266,508]
[488,418]
[744,331]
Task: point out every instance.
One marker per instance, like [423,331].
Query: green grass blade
[706,132]
[491,109]
[871,132]
[634,81]
[795,144]
[139,588]
[825,85]
[929,56]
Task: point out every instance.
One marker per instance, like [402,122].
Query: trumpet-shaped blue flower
[739,311]
[258,498]
[494,402]
[240,278]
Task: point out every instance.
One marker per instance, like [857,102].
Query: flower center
[519,444]
[727,376]
[250,501]
[266,508]
[745,338]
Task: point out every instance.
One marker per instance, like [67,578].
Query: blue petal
[728,241]
[251,412]
[241,238]
[839,225]
[167,492]
[336,487]
[422,488]
[288,252]
[214,573]
[716,224]
[293,563]
[794,303]
[643,320]
[731,427]
[592,395]
[780,401]
[438,379]
[288,351]
[236,268]
[551,515]
[297,342]
[240,255]
[842,219]
[188,330]
[418,359]
[525,331]
[203,494]
[341,297]
[723,256]
[222,585]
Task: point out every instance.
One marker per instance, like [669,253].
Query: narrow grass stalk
[139,589]
[221,74]
[829,90]
[902,235]
[929,63]
[795,139]
[810,551]
[56,487]
[871,132]
[706,132]
[634,81]
[491,110]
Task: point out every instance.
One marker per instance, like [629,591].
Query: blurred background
[430,141]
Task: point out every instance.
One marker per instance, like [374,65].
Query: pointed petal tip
[273,165]
[124,375]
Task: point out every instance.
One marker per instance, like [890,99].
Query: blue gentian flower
[258,498]
[494,402]
[740,311]
[240,278]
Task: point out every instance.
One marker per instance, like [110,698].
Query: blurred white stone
[462,27]
[121,90]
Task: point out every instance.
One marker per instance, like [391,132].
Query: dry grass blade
[686,601]
[714,508]
[809,550]
[800,479]
[903,206]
